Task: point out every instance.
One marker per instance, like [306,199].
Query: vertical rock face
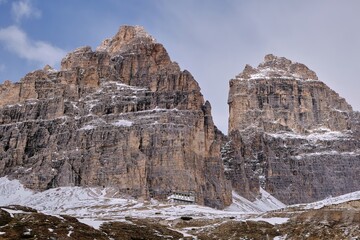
[281,95]
[290,134]
[123,116]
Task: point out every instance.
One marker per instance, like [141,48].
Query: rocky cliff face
[290,134]
[281,95]
[123,115]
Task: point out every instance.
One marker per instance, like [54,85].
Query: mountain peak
[275,67]
[127,35]
[275,60]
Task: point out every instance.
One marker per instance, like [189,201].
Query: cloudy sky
[212,39]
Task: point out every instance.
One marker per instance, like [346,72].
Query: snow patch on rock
[321,134]
[122,123]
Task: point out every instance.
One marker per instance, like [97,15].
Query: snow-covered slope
[12,192]
[265,203]
[331,201]
[104,203]
[94,206]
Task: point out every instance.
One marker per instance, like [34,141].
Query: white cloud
[16,41]
[23,9]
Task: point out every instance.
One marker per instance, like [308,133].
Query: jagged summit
[126,51]
[129,40]
[275,67]
[287,96]
[126,36]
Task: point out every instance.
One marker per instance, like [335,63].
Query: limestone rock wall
[290,134]
[281,95]
[124,115]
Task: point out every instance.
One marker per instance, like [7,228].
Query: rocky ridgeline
[290,134]
[124,115]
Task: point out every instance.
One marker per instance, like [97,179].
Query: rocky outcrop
[124,115]
[290,134]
